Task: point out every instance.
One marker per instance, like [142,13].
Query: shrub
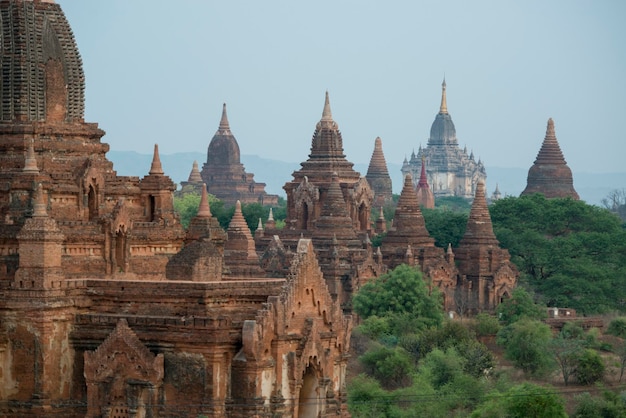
[617,327]
[526,345]
[590,367]
[390,366]
[485,324]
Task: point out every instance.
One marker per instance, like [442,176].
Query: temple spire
[204,210]
[156,168]
[444,106]
[479,227]
[39,207]
[326,113]
[30,162]
[423,182]
[194,176]
[224,125]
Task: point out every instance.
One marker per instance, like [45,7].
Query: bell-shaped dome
[223,149]
[442,130]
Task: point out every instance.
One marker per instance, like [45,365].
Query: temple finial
[156,167]
[326,113]
[550,129]
[444,106]
[224,125]
[30,162]
[39,207]
[271,216]
[204,210]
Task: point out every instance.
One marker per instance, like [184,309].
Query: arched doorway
[151,208]
[308,401]
[364,217]
[305,215]
[92,202]
[120,250]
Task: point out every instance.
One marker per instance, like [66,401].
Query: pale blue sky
[158,72]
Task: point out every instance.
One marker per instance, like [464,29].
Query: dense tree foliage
[400,292]
[445,226]
[590,367]
[526,345]
[570,253]
[519,305]
[522,401]
[453,204]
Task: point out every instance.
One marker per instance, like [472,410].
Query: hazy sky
[158,72]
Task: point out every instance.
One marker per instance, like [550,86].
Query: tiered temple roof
[378,176]
[487,272]
[550,174]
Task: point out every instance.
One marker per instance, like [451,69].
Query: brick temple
[378,176]
[110,308]
[225,175]
[550,175]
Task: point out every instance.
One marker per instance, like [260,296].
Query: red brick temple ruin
[225,175]
[110,308]
[550,174]
[378,176]
[425,195]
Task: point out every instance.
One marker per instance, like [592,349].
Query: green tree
[445,226]
[519,305]
[477,359]
[590,367]
[400,292]
[187,206]
[617,327]
[485,324]
[526,346]
[566,352]
[528,400]
[522,401]
[595,407]
[367,399]
[390,366]
[442,367]
[453,204]
[570,253]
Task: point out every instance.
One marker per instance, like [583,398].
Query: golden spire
[444,106]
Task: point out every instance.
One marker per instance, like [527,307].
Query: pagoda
[550,174]
[224,174]
[450,170]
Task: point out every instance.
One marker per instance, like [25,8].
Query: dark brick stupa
[488,276]
[378,175]
[225,175]
[550,174]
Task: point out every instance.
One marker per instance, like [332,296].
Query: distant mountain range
[592,187]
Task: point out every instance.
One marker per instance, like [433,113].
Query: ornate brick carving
[122,374]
